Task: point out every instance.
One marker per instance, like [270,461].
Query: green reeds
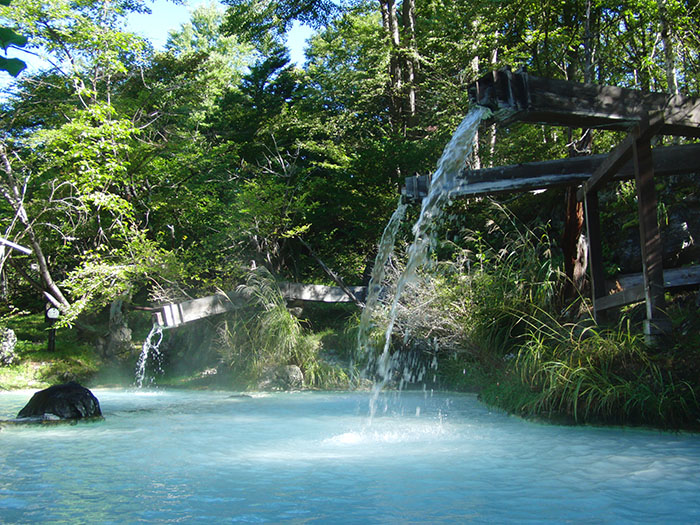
[510,308]
[600,375]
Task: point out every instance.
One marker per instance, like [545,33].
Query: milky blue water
[208,457]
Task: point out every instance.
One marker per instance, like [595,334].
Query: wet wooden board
[670,160]
[518,96]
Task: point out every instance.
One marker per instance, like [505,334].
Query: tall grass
[603,375]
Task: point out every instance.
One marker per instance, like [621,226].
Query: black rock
[67,401]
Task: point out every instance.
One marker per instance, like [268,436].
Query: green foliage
[91,152]
[264,22]
[72,360]
[105,275]
[83,37]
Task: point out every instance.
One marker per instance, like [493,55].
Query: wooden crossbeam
[669,160]
[621,155]
[632,287]
[176,314]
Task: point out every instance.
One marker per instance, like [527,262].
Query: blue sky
[166,16]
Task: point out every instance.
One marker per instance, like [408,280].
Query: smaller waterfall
[151,346]
[444,182]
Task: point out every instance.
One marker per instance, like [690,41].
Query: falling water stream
[150,348]
[443,183]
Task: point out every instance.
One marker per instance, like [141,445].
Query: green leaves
[14,66]
[9,38]
[265,22]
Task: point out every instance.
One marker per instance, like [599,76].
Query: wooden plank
[673,278]
[465,189]
[632,286]
[176,314]
[321,293]
[595,253]
[650,238]
[526,98]
[630,295]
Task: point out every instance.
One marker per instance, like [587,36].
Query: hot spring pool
[188,456]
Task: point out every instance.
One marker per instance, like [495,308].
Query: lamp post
[51,315]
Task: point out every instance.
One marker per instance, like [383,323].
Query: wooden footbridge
[518,96]
[176,314]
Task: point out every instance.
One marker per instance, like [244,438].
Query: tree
[66,152]
[265,22]
[8,38]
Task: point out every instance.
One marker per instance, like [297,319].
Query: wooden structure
[176,314]
[517,96]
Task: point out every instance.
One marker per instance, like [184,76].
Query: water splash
[151,346]
[443,184]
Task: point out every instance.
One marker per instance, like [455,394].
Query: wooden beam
[176,314]
[632,286]
[595,253]
[626,296]
[650,239]
[670,160]
[321,293]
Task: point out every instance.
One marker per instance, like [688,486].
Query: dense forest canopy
[131,171]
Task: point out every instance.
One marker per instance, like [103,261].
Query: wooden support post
[595,253]
[657,323]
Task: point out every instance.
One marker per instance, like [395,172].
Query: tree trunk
[410,54]
[669,51]
[573,242]
[13,193]
[391,26]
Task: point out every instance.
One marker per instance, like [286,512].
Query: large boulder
[284,377]
[66,401]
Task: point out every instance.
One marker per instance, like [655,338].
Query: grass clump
[602,376]
[264,334]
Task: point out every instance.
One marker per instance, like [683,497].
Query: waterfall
[444,182]
[386,248]
[151,346]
